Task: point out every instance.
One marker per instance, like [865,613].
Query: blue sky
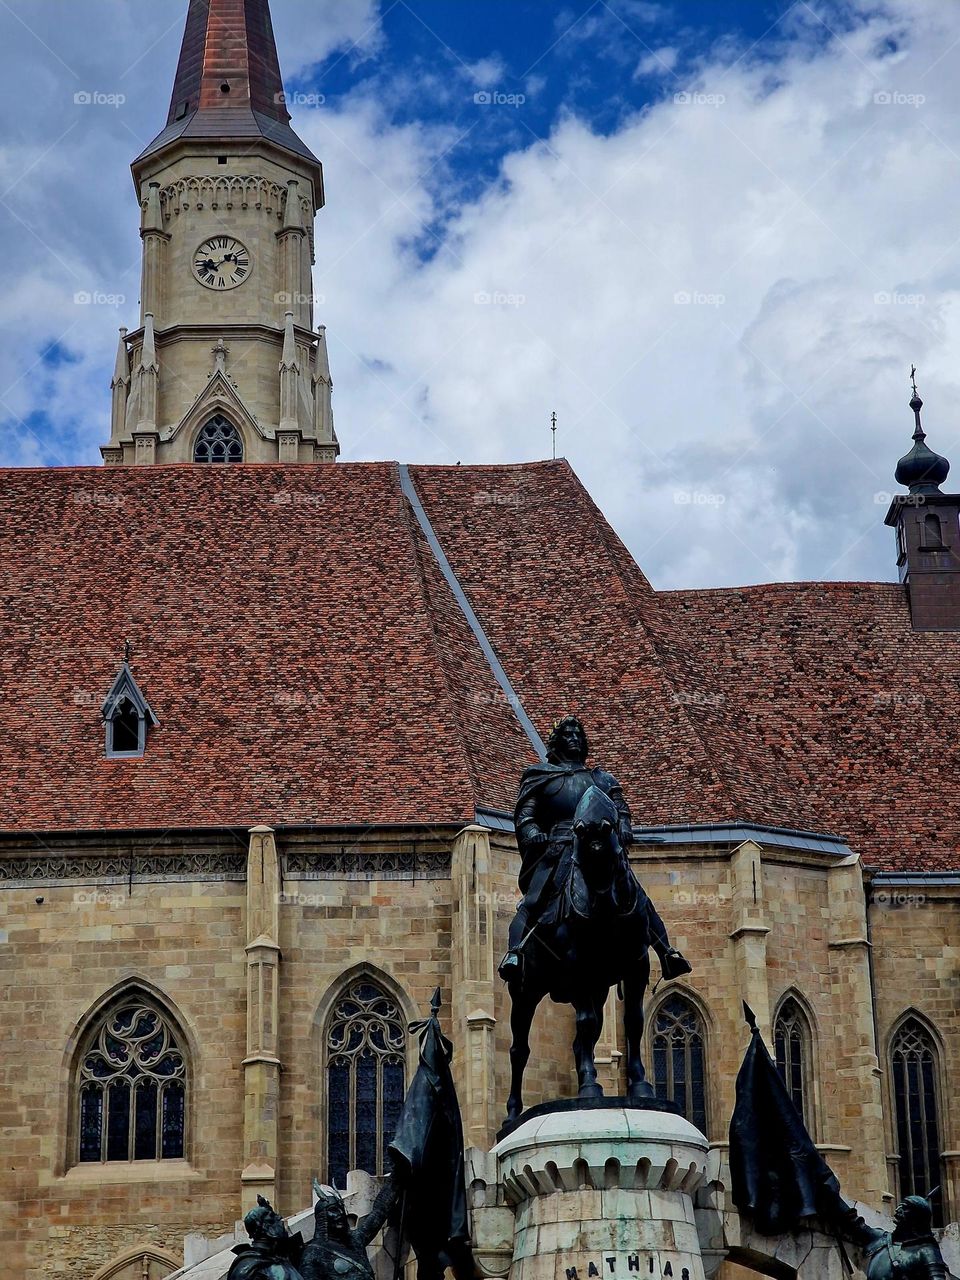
[713,236]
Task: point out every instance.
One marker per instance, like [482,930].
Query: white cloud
[658,62]
[721,300]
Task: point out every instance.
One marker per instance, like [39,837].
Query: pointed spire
[292,212]
[121,370]
[152,213]
[323,359]
[228,86]
[289,358]
[228,59]
[148,354]
[921,470]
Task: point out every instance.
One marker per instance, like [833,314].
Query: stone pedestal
[604,1192]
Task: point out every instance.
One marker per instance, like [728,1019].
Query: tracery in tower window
[218,441]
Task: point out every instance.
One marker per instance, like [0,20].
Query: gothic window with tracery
[218,441]
[131,1086]
[366,1078]
[792,1046]
[679,1058]
[914,1065]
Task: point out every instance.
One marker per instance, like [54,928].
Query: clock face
[221,262]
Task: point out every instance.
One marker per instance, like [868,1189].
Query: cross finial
[553,428]
[913,378]
[127,650]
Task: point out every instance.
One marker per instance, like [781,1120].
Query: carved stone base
[604,1192]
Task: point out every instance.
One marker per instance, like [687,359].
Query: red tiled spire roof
[228,83]
[228,59]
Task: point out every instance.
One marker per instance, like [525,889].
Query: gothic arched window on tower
[366,1078]
[915,1065]
[932,531]
[792,1044]
[218,441]
[679,1058]
[131,1085]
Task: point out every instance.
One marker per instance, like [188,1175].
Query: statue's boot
[674,963]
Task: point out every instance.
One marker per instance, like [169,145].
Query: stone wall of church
[416,913]
[65,947]
[915,932]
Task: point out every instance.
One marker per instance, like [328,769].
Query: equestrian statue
[585,923]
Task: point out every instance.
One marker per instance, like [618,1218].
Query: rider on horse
[549,795]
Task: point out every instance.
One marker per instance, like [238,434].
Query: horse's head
[595,826]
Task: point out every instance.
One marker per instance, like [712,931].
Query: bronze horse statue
[599,938]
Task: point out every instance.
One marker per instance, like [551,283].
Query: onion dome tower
[927,524]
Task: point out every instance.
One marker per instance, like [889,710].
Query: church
[264,715]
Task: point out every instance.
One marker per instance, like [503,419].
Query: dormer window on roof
[126,716]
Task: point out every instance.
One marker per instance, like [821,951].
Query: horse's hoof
[590,1091]
[640,1092]
[514,1111]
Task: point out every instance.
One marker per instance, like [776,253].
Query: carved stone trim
[120,867]
[366,864]
[220,191]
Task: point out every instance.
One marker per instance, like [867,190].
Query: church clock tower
[226,364]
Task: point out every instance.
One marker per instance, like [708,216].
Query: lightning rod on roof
[553,429]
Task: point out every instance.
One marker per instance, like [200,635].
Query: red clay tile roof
[230,43]
[309,663]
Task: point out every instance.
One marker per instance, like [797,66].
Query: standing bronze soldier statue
[585,923]
[337,1250]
